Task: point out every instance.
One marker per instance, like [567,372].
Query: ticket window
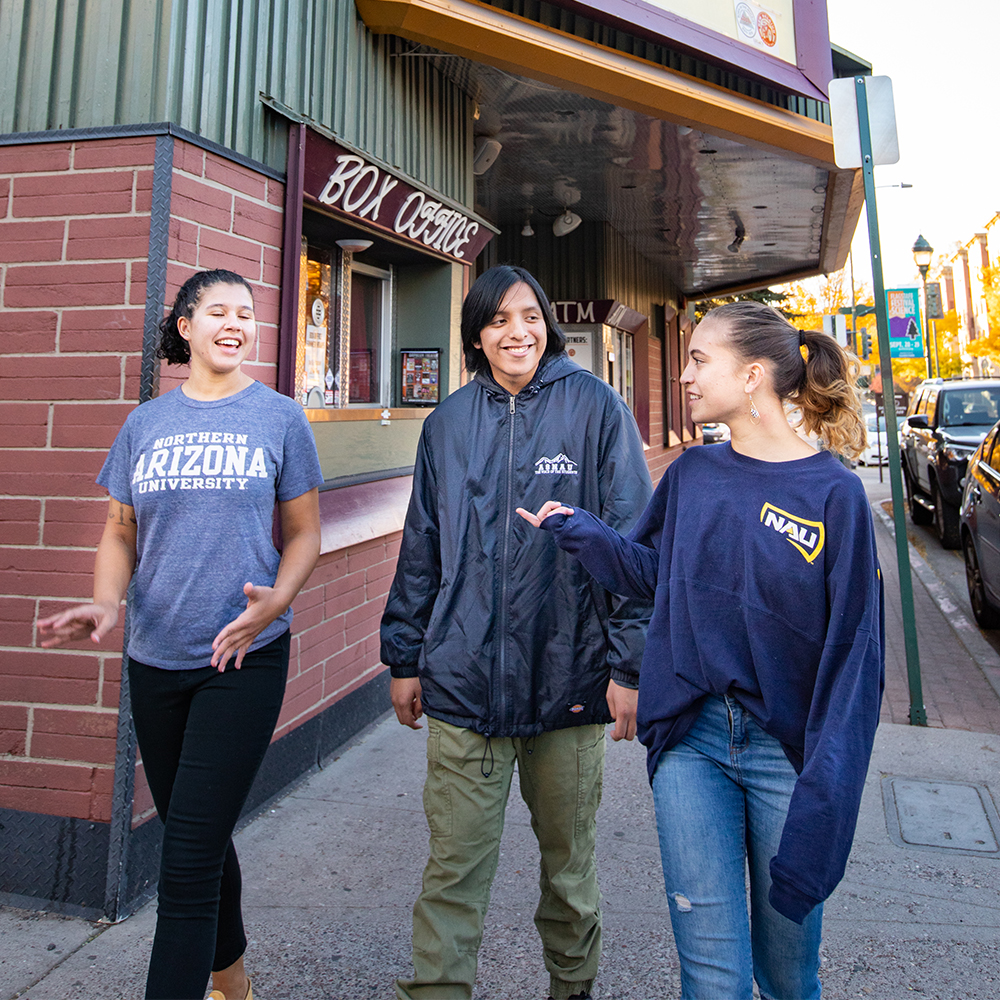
[375,351]
[327,362]
[316,360]
[371,336]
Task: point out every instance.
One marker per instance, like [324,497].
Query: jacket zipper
[504,574]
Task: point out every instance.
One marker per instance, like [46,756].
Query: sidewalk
[333,868]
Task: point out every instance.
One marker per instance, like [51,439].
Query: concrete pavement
[332,869]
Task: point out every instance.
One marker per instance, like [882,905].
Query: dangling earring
[754,413]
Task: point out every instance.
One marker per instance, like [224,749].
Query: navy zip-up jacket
[509,635]
[767,588]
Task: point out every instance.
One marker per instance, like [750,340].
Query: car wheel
[918,513]
[984,610]
[945,520]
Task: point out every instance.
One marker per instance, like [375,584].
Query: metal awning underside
[680,197]
[721,191]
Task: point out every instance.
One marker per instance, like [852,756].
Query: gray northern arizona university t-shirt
[203,478]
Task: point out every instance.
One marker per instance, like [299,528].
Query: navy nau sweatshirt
[766,588]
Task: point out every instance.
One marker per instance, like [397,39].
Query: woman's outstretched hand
[94,620]
[549,507]
[263,607]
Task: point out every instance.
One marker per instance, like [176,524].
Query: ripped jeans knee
[681,901]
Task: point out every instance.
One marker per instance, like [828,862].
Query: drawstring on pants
[487,749]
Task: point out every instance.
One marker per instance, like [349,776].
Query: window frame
[385,344]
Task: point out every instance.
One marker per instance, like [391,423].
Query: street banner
[906,332]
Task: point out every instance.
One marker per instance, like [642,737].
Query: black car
[946,421]
[713,433]
[980,530]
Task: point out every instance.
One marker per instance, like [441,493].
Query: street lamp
[922,254]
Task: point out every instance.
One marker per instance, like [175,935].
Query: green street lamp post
[922,254]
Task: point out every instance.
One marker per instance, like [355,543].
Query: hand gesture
[405,695]
[262,608]
[74,624]
[549,507]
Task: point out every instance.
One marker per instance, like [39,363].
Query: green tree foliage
[765,295]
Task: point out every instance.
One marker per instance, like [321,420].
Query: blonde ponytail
[828,398]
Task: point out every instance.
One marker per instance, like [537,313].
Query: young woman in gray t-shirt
[194,477]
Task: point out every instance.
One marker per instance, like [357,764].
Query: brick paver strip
[956,694]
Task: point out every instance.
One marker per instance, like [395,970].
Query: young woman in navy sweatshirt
[763,671]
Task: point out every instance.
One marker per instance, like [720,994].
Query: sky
[939,57]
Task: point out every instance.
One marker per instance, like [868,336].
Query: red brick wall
[74,240]
[74,236]
[226,215]
[659,454]
[335,644]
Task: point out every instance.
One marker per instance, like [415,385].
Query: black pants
[203,736]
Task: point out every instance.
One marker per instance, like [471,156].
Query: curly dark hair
[173,348]
[482,302]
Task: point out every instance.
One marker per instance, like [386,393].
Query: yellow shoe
[216,995]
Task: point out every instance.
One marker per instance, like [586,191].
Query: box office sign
[344,180]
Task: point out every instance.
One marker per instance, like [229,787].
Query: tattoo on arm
[117,514]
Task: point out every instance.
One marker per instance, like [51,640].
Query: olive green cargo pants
[465,797]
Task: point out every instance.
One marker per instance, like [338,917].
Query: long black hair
[482,303]
[173,348]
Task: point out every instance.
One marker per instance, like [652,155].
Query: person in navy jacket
[764,662]
[517,657]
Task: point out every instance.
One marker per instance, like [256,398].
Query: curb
[966,631]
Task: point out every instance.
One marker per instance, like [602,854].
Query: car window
[971,408]
[986,455]
[914,404]
[875,423]
[927,404]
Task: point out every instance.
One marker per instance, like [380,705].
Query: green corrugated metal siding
[203,63]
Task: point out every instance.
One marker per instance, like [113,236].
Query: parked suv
[946,421]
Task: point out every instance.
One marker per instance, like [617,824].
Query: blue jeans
[721,798]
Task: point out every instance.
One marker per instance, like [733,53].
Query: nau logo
[806,536]
[558,466]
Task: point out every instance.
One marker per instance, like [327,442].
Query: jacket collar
[552,369]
